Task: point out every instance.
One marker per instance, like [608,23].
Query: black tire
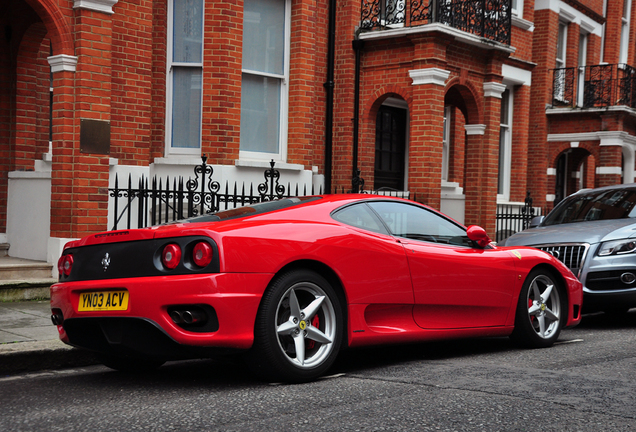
[541,310]
[130,364]
[299,312]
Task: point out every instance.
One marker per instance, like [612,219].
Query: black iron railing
[144,204]
[512,218]
[148,205]
[595,86]
[491,19]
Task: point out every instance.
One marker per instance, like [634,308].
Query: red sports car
[290,283]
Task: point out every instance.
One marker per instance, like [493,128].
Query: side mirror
[536,221]
[478,234]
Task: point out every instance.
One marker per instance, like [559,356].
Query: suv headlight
[617,247]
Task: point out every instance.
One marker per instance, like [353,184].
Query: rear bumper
[146,325]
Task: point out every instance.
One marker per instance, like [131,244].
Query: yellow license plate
[103,301]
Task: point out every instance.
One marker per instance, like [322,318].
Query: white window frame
[583,39]
[561,53]
[603,32]
[505,138]
[281,156]
[170,150]
[624,47]
[517,8]
[446,142]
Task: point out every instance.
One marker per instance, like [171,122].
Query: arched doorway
[574,171]
[391,130]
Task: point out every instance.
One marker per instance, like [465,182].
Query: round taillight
[202,254]
[65,264]
[171,256]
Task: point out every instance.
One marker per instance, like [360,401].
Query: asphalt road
[585,383]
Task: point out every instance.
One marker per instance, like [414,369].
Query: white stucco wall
[28,214]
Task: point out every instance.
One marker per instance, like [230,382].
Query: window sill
[522,23]
[250,163]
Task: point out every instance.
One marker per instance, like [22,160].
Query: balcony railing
[490,19]
[595,86]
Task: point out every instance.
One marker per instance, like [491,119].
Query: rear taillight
[171,255]
[202,254]
[65,264]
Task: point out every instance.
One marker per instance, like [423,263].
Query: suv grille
[570,254]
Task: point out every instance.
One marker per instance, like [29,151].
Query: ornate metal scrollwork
[370,13]
[421,11]
[626,85]
[273,190]
[357,183]
[394,11]
[202,201]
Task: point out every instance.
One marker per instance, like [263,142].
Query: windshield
[251,210]
[594,205]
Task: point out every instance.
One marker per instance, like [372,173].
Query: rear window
[252,210]
[594,205]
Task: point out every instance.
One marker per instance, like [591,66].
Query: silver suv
[594,233]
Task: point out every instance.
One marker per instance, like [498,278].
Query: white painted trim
[251,163]
[607,138]
[609,170]
[568,14]
[494,89]
[617,108]
[574,144]
[429,76]
[475,129]
[522,23]
[183,160]
[587,27]
[550,197]
[62,62]
[169,149]
[460,36]
[35,175]
[551,171]
[515,75]
[105,6]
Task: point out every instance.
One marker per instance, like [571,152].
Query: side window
[360,216]
[417,223]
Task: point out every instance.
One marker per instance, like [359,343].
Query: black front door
[390,146]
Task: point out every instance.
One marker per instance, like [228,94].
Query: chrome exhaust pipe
[192,316]
[177,317]
[57,318]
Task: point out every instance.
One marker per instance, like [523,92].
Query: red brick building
[463,105]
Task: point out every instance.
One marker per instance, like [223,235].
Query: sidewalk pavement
[29,341]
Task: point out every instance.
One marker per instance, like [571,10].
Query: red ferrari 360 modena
[289,283]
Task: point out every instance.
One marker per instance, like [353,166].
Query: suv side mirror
[478,235]
[536,221]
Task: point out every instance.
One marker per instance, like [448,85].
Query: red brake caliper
[315,323]
[529,306]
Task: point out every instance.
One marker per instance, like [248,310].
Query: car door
[455,284]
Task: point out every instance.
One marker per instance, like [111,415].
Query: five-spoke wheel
[541,311]
[298,328]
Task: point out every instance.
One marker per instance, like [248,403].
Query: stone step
[19,268]
[23,279]
[31,289]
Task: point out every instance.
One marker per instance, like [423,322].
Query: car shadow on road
[226,372]
[362,358]
[602,320]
